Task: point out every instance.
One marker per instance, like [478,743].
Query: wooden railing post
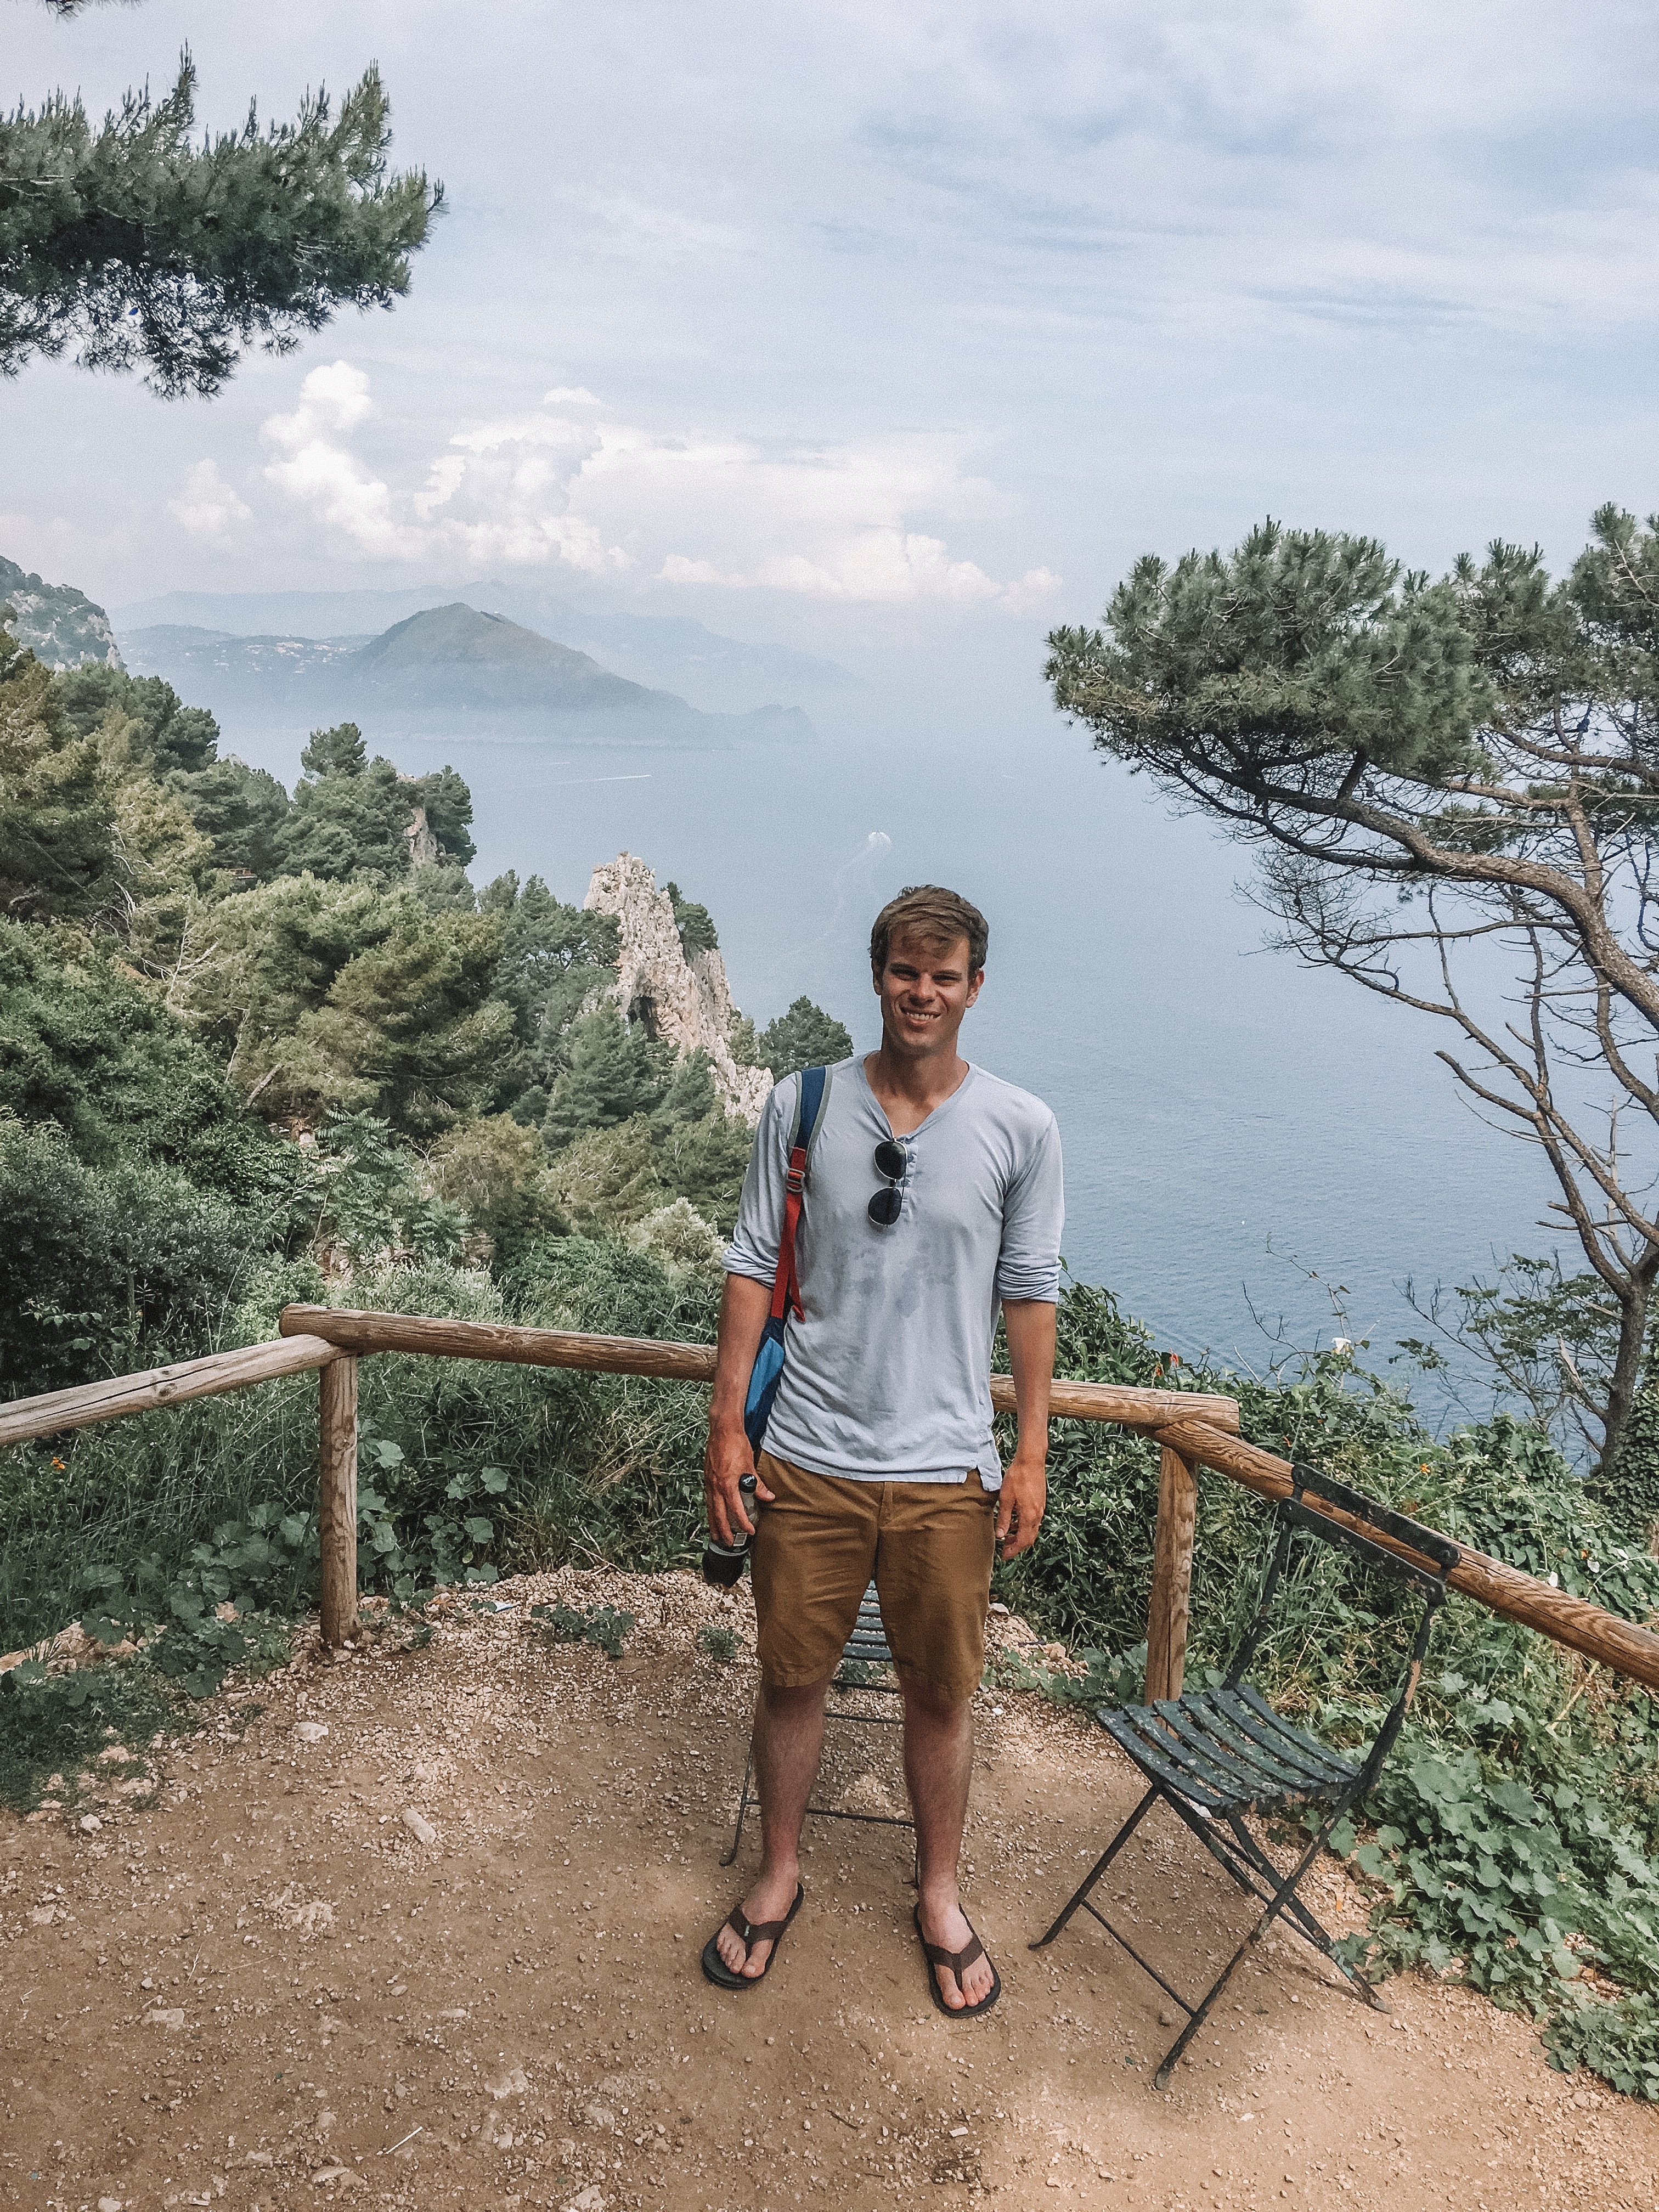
[336,1497]
[1172,1575]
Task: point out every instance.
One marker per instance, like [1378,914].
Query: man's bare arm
[744,1305]
[1030,1326]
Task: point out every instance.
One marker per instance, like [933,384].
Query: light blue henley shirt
[887,1378]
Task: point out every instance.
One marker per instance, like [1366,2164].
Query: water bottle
[722,1564]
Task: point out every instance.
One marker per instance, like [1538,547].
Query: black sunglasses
[892,1161]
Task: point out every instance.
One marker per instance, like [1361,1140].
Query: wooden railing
[1192,1428]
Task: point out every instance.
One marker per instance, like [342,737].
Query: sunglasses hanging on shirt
[893,1162]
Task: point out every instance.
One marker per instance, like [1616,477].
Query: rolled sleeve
[1034,1214]
[753,1250]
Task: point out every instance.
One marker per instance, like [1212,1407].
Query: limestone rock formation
[61,626]
[688,1002]
[424,850]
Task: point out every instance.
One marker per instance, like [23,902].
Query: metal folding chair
[1213,1755]
[865,1653]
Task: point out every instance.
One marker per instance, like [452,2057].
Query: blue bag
[768,1370]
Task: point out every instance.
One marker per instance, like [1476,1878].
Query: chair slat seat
[1308,1766]
[1225,1754]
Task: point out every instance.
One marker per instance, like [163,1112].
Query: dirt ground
[420,1928]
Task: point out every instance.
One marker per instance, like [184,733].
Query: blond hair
[936,915]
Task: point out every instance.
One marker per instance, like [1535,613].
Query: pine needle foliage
[131,247]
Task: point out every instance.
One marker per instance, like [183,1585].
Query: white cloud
[317,470]
[892,567]
[565,485]
[209,507]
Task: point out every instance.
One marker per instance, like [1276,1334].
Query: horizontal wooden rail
[357,1330]
[1556,1614]
[1193,1428]
[91,1402]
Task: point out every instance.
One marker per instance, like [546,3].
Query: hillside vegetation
[258,1047]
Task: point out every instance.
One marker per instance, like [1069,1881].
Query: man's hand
[1030,1327]
[727,1460]
[743,1307]
[1020,1503]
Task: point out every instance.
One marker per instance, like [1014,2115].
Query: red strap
[786,1287]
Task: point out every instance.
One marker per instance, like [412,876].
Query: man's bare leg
[788,1736]
[939,1757]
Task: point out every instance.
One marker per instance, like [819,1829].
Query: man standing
[879,1458]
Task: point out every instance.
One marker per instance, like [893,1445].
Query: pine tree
[804,1037]
[350,814]
[163,731]
[131,248]
[690,1095]
[409,1025]
[695,923]
[447,799]
[704,1161]
[614,1073]
[57,802]
[341,750]
[1432,771]
[319,995]
[240,809]
[607,1180]
[554,957]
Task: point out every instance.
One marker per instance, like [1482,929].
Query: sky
[894,334]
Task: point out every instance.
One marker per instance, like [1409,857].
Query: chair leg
[1197,2014]
[1283,1895]
[1099,1869]
[1306,1925]
[1295,1911]
[745,1801]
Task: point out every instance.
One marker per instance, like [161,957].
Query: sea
[1261,1158]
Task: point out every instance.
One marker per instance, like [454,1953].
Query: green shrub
[105,1271]
[606,1626]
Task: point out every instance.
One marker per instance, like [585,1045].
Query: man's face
[924,990]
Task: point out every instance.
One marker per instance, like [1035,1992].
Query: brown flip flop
[957,1961]
[749,1933]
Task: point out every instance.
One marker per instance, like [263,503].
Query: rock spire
[686,1001]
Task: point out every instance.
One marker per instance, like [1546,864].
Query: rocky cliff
[686,1001]
[61,626]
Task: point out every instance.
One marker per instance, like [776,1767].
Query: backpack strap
[809,1120]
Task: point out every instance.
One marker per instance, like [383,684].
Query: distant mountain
[452,671]
[61,626]
[456,654]
[673,653]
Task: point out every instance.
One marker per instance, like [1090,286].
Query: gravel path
[420,1928]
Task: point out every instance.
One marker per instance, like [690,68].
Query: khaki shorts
[928,1547]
